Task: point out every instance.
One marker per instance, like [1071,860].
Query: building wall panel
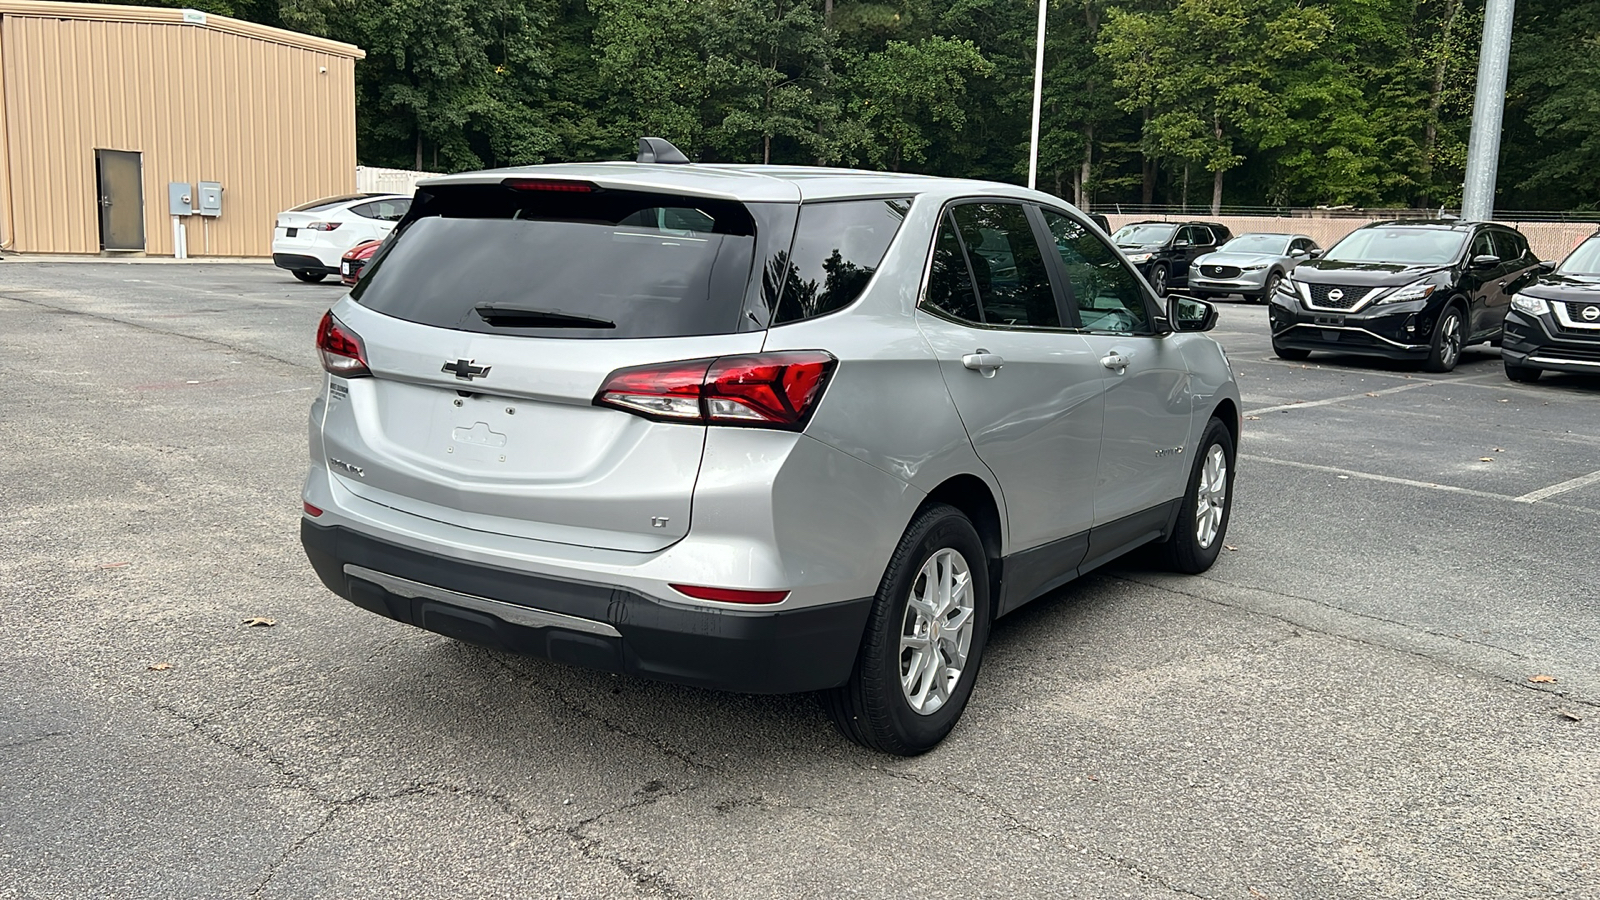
[213,103]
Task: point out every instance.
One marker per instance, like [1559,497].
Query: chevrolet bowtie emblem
[465,370]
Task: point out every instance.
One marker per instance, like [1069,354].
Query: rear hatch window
[571,260]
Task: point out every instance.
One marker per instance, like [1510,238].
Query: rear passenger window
[1107,292]
[383,210]
[1007,265]
[837,247]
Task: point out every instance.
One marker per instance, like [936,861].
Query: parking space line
[1570,484]
[1332,400]
[1387,479]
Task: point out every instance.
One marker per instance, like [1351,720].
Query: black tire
[1449,338]
[309,276]
[1274,279]
[1184,550]
[871,708]
[1290,353]
[1159,280]
[1524,374]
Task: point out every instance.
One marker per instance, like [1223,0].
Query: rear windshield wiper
[523,317]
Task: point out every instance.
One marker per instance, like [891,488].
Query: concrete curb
[136,260]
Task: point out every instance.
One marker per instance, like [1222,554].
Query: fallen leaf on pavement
[1229,547]
[259,622]
[1571,716]
[1372,393]
[160,667]
[1485,459]
[1252,418]
[1504,400]
[1542,679]
[1498,450]
[116,565]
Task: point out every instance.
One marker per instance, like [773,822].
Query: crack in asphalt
[35,739]
[100,317]
[1367,641]
[995,806]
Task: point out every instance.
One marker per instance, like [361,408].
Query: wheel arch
[977,501]
[1227,412]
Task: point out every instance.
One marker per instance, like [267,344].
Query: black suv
[1420,289]
[1555,322]
[1163,251]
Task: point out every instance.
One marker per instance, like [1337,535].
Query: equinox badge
[464,369]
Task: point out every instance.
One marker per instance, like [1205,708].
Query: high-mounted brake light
[549,184]
[341,349]
[766,390]
[730,595]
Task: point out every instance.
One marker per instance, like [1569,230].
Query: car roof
[749,183]
[1441,224]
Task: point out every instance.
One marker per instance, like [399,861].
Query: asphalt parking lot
[1389,685]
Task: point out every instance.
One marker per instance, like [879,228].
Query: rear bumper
[298,261]
[596,626]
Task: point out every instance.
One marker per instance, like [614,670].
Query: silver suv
[757,428]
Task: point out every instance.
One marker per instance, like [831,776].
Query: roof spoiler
[660,150]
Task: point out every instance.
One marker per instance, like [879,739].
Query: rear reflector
[766,390]
[730,595]
[341,349]
[546,184]
[311,511]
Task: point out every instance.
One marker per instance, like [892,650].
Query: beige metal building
[102,108]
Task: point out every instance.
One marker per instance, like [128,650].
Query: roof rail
[660,150]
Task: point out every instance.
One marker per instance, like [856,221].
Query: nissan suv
[756,428]
[1554,323]
[1165,252]
[1420,290]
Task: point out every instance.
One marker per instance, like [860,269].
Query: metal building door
[119,175]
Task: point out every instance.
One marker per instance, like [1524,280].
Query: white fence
[374,180]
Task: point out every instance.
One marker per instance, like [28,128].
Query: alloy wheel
[1452,339]
[1212,497]
[936,633]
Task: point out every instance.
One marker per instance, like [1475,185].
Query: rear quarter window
[838,245]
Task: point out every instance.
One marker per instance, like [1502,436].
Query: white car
[308,240]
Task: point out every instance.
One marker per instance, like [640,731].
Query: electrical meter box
[210,198]
[180,199]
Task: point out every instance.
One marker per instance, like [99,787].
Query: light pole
[1038,95]
[1488,113]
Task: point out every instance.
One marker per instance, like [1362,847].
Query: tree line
[1181,102]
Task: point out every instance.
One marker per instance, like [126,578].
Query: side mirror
[1545,267]
[1315,254]
[1190,314]
[1486,261]
[1297,253]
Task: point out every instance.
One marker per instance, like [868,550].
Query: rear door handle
[983,361]
[1115,361]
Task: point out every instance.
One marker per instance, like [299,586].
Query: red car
[355,259]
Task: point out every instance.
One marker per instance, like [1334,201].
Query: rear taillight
[322,226]
[767,390]
[341,349]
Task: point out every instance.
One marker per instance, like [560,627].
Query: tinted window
[950,280]
[1400,245]
[1107,293]
[1483,245]
[1305,244]
[1197,236]
[612,264]
[1146,235]
[1013,284]
[391,210]
[837,247]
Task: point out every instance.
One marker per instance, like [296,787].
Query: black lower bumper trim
[297,263]
[760,652]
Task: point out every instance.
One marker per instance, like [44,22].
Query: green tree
[907,95]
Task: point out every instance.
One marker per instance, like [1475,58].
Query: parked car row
[310,240]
